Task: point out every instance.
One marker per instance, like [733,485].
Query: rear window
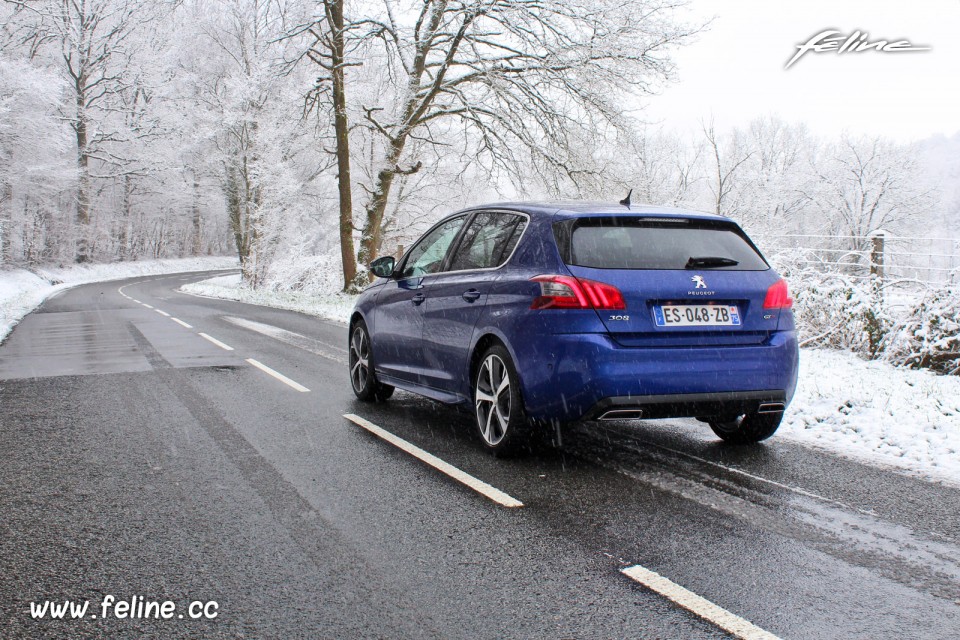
[637,243]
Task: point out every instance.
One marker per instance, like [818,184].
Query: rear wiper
[699,262]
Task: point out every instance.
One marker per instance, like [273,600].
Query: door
[398,314]
[458,295]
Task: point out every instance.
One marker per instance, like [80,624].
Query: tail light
[778,296]
[567,292]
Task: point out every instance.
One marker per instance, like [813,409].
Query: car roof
[579,209]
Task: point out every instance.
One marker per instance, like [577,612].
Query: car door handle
[470,295]
[419,298]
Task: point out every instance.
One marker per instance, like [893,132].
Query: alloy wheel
[359,359]
[493,399]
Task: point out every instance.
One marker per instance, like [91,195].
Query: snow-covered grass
[332,306]
[877,413]
[866,410]
[23,291]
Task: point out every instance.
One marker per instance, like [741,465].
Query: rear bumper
[583,376]
[686,405]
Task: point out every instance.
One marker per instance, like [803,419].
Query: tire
[746,429]
[498,407]
[363,380]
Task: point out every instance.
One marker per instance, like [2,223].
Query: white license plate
[697,315]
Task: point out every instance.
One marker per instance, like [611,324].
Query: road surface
[157,446]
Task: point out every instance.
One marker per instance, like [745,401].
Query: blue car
[533,315]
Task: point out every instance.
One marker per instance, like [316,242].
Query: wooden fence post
[876,253]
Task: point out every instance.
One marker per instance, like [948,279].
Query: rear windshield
[638,243]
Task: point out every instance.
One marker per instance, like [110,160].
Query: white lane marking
[732,624]
[279,376]
[163,313]
[135,300]
[297,340]
[181,322]
[146,305]
[223,346]
[460,476]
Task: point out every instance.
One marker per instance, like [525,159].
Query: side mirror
[383,267]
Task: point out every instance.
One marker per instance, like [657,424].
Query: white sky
[735,71]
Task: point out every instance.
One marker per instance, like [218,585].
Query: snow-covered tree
[864,184]
[90,43]
[33,142]
[530,80]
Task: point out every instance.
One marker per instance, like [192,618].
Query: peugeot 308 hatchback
[534,314]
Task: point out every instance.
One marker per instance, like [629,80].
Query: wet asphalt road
[140,459]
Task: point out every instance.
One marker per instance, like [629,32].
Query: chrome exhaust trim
[622,414]
[771,407]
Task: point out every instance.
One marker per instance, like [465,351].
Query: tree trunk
[372,238]
[342,132]
[124,239]
[235,214]
[197,220]
[83,179]
[6,223]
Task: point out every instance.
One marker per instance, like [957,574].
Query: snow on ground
[334,306]
[869,411]
[875,412]
[22,291]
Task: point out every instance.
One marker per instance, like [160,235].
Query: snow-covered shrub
[833,309]
[299,271]
[929,336]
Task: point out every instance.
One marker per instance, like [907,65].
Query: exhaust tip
[771,407]
[622,414]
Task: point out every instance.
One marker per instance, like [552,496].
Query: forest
[308,137]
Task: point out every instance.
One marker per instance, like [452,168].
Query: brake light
[778,296]
[567,292]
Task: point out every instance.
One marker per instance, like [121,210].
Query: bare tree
[329,51]
[869,183]
[728,156]
[530,75]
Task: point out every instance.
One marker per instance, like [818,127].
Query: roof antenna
[626,201]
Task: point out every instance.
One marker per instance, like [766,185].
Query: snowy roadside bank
[22,291]
[869,411]
[874,412]
[334,306]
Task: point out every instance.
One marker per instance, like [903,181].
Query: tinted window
[427,255]
[488,241]
[630,243]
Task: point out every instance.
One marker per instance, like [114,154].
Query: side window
[427,256]
[488,241]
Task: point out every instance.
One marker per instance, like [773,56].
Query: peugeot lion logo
[698,280]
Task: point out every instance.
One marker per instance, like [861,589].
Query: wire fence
[922,261]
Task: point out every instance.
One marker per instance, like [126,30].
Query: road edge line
[701,607]
[462,477]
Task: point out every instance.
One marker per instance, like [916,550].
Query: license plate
[697,315]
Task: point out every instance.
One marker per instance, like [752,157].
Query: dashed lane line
[279,376]
[293,384]
[223,346]
[476,484]
[729,622]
